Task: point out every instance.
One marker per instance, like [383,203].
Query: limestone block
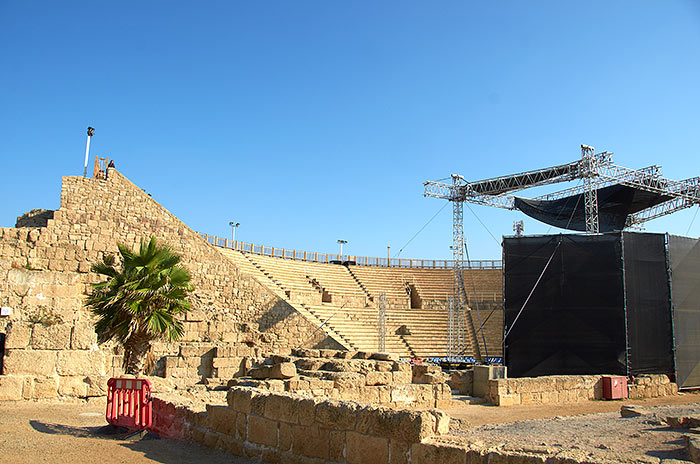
[18,335]
[347,380]
[310,441]
[52,337]
[307,410]
[336,414]
[285,437]
[45,387]
[429,453]
[222,419]
[31,362]
[96,385]
[28,387]
[385,356]
[405,425]
[379,378]
[281,408]
[366,449]
[72,386]
[80,362]
[83,336]
[401,377]
[239,398]
[11,387]
[262,431]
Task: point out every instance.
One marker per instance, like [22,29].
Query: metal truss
[596,171]
[381,323]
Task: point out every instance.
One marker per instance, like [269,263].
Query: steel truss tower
[595,170]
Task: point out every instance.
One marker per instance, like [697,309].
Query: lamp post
[233,231]
[90,133]
[341,243]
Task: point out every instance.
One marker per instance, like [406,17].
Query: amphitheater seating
[343,300]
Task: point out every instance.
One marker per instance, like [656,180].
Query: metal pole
[90,132]
[388,256]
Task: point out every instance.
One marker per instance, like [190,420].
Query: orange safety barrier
[129,403]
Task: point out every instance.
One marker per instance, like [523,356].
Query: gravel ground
[602,437]
[70,433]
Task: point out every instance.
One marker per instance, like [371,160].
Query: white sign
[5,311]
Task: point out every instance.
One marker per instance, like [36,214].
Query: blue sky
[312,121]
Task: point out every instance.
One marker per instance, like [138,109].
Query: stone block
[72,386]
[31,362]
[384,356]
[96,385]
[222,419]
[398,452]
[430,453]
[11,387]
[51,337]
[404,425]
[378,378]
[337,415]
[81,362]
[83,336]
[310,441]
[281,408]
[262,431]
[366,449]
[285,437]
[307,410]
[347,380]
[276,371]
[45,387]
[18,336]
[483,374]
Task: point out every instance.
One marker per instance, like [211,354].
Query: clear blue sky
[312,121]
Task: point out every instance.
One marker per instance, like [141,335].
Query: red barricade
[129,403]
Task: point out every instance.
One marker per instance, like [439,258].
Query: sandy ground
[592,431]
[69,433]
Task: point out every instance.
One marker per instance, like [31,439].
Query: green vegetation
[139,301]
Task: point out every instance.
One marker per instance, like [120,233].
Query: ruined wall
[44,276]
[570,389]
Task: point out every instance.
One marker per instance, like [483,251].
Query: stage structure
[623,303]
[610,198]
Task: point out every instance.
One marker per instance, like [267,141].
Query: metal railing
[316,257]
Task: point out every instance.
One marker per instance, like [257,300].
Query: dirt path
[68,433]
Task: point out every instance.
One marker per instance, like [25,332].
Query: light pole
[90,133]
[233,230]
[341,242]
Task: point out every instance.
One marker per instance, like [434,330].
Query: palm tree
[138,302]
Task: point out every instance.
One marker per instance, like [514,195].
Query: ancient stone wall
[44,276]
[279,427]
[570,389]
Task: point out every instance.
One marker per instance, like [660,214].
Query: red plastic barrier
[129,403]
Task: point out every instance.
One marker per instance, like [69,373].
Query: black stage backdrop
[685,290]
[577,320]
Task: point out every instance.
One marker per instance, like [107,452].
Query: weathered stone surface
[378,378]
[429,453]
[72,386]
[632,410]
[693,446]
[222,419]
[310,441]
[366,449]
[83,336]
[52,337]
[18,335]
[277,371]
[30,362]
[97,385]
[11,387]
[80,362]
[262,431]
[385,356]
[45,387]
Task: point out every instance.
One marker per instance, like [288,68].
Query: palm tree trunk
[135,350]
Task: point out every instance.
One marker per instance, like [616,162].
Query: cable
[691,222]
[487,229]
[531,291]
[421,230]
[476,301]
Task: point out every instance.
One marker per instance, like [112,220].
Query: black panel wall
[602,305]
[574,321]
[685,290]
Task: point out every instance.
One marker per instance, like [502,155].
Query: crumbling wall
[570,389]
[44,276]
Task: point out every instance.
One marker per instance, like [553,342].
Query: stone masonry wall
[44,275]
[570,389]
